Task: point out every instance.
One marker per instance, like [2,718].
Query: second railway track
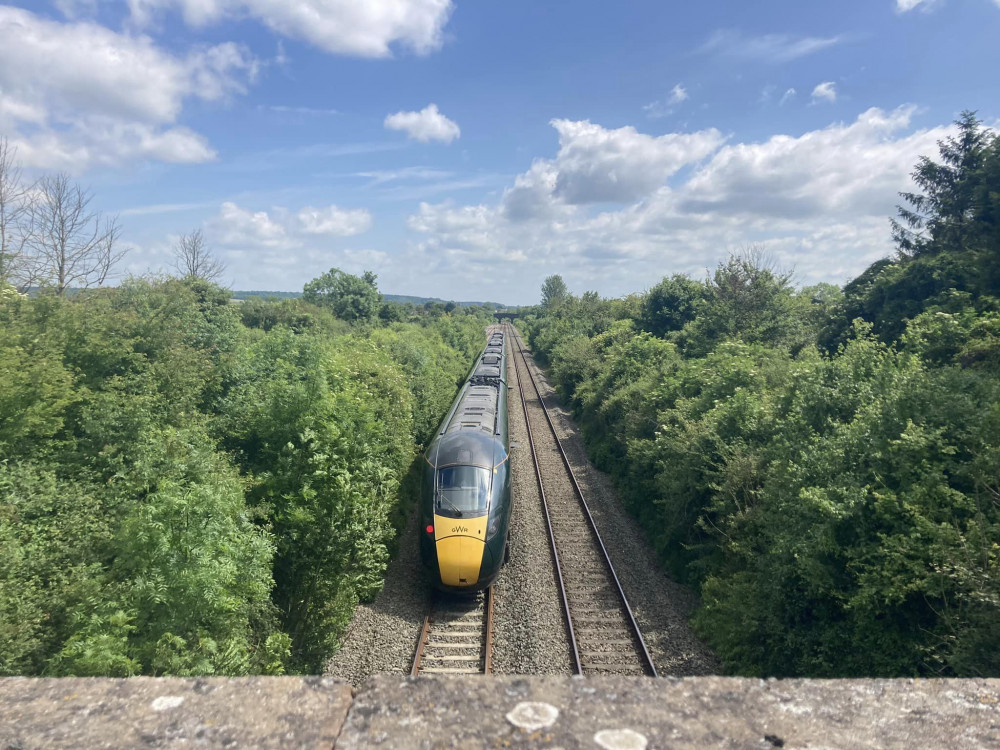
[604,635]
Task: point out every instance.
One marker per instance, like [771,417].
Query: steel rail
[488,648]
[579,493]
[421,642]
[577,668]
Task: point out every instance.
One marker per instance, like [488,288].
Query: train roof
[476,411]
[466,449]
[471,436]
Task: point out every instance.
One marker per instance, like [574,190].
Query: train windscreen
[462,491]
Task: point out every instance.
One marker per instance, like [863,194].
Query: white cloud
[426,125]
[365,28]
[235,226]
[379,177]
[772,48]
[678,95]
[284,109]
[280,229]
[77,8]
[847,170]
[73,95]
[107,142]
[334,221]
[904,6]
[787,96]
[820,201]
[826,91]
[280,248]
[162,208]
[595,164]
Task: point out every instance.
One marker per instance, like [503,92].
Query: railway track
[457,637]
[604,635]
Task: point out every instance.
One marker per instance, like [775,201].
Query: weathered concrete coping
[171,712]
[556,712]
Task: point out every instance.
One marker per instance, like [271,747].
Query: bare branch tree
[193,258]
[72,246]
[15,201]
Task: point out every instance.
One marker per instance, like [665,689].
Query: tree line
[193,486]
[820,463]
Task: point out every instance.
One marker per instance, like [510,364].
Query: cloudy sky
[466,149]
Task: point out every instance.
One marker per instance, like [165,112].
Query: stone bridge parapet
[565,712]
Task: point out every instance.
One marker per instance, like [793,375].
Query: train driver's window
[462,491]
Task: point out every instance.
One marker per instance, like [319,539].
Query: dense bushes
[189,486]
[822,466]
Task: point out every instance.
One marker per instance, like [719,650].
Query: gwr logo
[459,529]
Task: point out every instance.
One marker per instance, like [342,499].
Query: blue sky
[467,149]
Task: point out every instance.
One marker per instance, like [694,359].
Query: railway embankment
[614,713]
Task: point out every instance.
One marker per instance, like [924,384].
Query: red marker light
[430,529]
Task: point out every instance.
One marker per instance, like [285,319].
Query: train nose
[460,545]
[459,560]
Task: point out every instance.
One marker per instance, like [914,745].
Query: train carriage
[465,497]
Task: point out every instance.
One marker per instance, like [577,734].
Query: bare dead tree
[71,245]
[193,258]
[15,199]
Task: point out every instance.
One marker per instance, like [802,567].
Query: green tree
[948,238]
[944,216]
[351,298]
[554,291]
[748,298]
[671,304]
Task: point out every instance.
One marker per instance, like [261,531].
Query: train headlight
[494,527]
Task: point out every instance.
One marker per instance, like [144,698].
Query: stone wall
[401,712]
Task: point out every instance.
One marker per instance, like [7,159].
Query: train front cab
[466,523]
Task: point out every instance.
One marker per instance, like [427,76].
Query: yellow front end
[460,544]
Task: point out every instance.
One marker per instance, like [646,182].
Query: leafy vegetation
[821,463]
[190,486]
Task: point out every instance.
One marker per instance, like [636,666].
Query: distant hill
[400,298]
[279,295]
[403,299]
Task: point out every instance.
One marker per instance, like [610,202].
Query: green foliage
[53,538]
[268,313]
[189,486]
[747,298]
[350,298]
[37,389]
[869,541]
[554,291]
[672,304]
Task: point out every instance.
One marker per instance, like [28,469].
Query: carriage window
[462,491]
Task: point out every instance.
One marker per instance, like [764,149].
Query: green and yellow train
[466,499]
